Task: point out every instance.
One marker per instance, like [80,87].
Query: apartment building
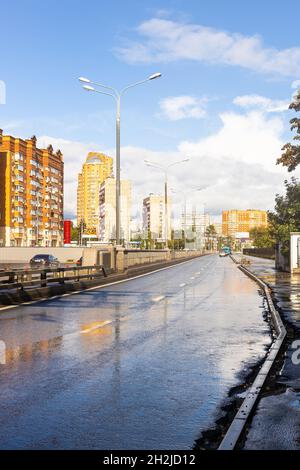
[195,221]
[31,193]
[242,221]
[107,210]
[154,217]
[95,170]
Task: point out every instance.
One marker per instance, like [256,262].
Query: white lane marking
[192,277]
[158,298]
[197,273]
[182,285]
[99,287]
[96,327]
[8,307]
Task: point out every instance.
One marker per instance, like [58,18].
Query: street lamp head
[154,75]
[84,80]
[88,88]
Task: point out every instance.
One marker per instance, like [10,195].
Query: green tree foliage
[261,237]
[286,216]
[210,231]
[210,234]
[291,155]
[74,233]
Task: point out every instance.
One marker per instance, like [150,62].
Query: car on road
[225,251]
[44,260]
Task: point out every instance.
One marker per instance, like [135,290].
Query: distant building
[194,224]
[107,210]
[95,170]
[31,193]
[242,221]
[154,217]
[195,221]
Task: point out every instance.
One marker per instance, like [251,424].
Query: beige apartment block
[107,204]
[154,217]
[31,193]
[242,221]
[95,170]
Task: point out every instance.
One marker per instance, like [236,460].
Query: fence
[268,253]
[21,279]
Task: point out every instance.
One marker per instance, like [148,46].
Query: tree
[291,155]
[210,234]
[261,237]
[74,234]
[286,217]
[211,231]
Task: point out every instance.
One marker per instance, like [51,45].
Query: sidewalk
[276,423]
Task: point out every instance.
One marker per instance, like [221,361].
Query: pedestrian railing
[21,279]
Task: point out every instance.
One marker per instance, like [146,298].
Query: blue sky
[225,65]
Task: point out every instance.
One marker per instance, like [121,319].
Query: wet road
[143,364]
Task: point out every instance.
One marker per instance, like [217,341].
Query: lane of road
[138,365]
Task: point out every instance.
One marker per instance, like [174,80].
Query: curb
[239,422]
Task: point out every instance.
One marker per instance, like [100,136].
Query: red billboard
[67,231]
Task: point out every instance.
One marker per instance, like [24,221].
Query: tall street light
[117,97]
[165,169]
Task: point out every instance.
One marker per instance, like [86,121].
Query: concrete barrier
[22,254]
[118,257]
[129,258]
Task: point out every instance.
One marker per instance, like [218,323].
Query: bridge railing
[21,279]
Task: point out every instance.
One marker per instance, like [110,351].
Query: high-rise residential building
[195,221]
[154,217]
[107,210]
[31,193]
[194,224]
[242,221]
[95,170]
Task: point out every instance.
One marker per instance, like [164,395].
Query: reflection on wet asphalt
[143,364]
[275,425]
[285,287]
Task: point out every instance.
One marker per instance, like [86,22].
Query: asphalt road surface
[142,364]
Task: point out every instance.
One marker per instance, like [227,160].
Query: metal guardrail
[20,279]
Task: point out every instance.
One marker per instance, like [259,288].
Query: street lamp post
[165,169]
[117,97]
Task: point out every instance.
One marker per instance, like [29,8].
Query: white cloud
[236,163]
[175,108]
[296,84]
[261,102]
[163,40]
